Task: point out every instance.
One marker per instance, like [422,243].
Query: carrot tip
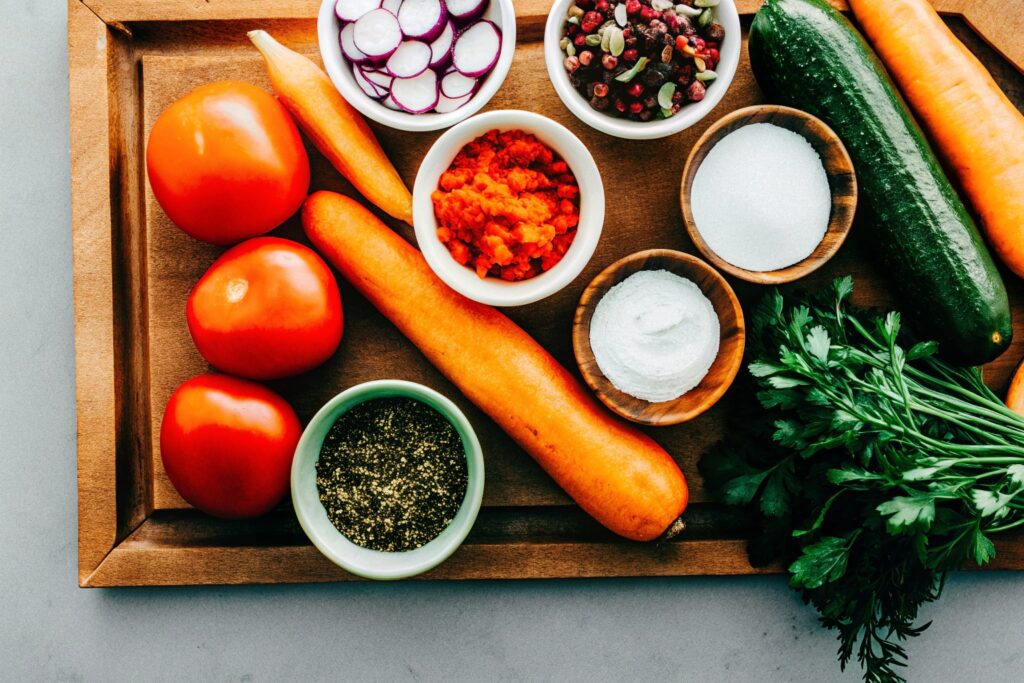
[675,528]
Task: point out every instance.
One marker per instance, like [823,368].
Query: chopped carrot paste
[508,206]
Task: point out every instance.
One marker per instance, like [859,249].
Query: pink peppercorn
[696,91]
[630,55]
[636,107]
[609,61]
[635,90]
[632,7]
[591,20]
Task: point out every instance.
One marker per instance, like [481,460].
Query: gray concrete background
[699,629]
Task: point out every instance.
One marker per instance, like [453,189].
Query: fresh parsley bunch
[876,467]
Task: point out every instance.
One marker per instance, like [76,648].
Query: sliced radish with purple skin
[446,105]
[348,46]
[422,19]
[441,48]
[410,59]
[456,85]
[351,10]
[391,6]
[376,34]
[476,49]
[390,103]
[381,79]
[464,10]
[371,90]
[416,95]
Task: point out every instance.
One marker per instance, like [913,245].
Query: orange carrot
[335,128]
[974,124]
[1015,394]
[614,471]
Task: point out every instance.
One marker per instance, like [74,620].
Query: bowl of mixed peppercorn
[642,69]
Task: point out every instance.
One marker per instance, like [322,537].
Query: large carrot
[974,124]
[615,472]
[335,128]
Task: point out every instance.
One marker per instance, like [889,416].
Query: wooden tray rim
[94,26]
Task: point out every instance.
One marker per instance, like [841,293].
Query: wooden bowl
[723,370]
[842,181]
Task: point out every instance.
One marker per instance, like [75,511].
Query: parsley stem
[1005,527]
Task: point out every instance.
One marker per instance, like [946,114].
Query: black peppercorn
[653,77]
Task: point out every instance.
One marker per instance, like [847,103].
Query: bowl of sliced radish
[417,65]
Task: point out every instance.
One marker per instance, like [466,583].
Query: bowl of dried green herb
[387,479]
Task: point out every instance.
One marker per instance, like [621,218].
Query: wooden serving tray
[129,59]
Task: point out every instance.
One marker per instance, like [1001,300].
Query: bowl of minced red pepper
[508,207]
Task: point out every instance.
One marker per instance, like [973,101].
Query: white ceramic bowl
[725,14]
[490,290]
[339,69]
[373,564]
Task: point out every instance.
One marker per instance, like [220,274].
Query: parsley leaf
[821,562]
[905,513]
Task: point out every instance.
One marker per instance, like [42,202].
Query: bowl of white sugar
[768,194]
[659,336]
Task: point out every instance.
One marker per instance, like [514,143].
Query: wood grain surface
[842,183]
[134,269]
[732,335]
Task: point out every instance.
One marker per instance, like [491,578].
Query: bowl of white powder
[659,337]
[768,194]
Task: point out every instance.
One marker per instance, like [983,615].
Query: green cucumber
[807,55]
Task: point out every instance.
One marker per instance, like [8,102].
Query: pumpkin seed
[606,42]
[707,76]
[617,42]
[593,40]
[665,94]
[563,43]
[687,11]
[706,17]
[705,3]
[662,5]
[575,11]
[666,113]
[620,14]
[570,50]
[627,76]
[700,64]
[573,20]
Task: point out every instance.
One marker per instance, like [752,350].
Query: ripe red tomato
[267,308]
[226,163]
[227,445]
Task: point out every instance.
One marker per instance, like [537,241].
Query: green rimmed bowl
[374,564]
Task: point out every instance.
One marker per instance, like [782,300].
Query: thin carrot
[618,474]
[335,128]
[976,127]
